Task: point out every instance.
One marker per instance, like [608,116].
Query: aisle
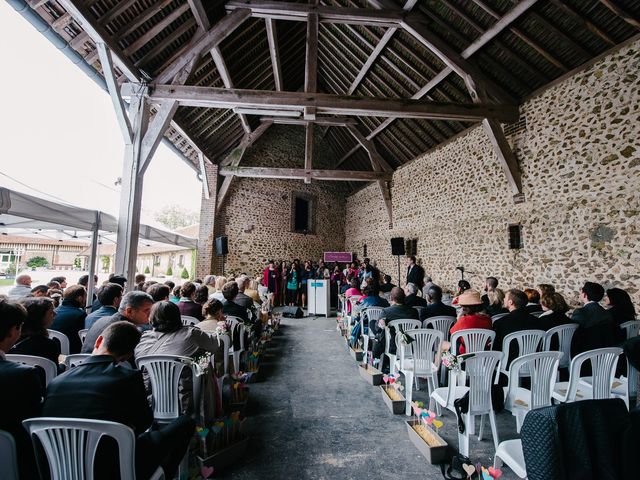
[314,418]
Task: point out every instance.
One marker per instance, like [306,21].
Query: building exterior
[61,254]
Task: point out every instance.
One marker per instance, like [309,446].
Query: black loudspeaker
[292,312]
[397,246]
[222,245]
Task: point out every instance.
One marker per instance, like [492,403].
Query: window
[301,213]
[515,236]
[181,261]
[411,246]
[156,259]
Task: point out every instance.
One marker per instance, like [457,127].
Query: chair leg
[519,414]
[463,438]
[416,382]
[236,361]
[497,462]
[494,429]
[480,434]
[471,426]
[408,377]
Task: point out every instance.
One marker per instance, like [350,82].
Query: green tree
[169,271]
[106,262]
[175,216]
[184,274]
[37,262]
[146,270]
[77,263]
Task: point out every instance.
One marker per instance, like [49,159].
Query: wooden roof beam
[322,121]
[221,65]
[583,21]
[301,174]
[106,62]
[274,52]
[329,104]
[200,14]
[622,13]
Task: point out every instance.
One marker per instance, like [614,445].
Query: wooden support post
[301,174]
[272,38]
[112,86]
[131,192]
[308,151]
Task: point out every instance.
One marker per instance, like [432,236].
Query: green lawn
[6,281]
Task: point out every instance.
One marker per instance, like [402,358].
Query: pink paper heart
[495,472]
[206,472]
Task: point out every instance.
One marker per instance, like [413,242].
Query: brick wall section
[256,215]
[206,239]
[580,159]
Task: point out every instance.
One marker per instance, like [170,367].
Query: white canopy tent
[26,212]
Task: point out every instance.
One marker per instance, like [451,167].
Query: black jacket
[399,312]
[22,391]
[415,275]
[97,328]
[439,309]
[414,300]
[597,329]
[69,320]
[547,321]
[534,307]
[515,321]
[590,315]
[38,346]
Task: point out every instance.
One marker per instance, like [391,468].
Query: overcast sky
[59,135]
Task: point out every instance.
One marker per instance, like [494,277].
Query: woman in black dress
[35,337]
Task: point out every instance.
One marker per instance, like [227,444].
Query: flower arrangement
[222,328]
[202,363]
[450,361]
[426,416]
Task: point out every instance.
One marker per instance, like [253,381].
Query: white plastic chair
[187,320]
[50,368]
[76,359]
[631,329]
[422,351]
[474,339]
[406,324]
[62,338]
[542,367]
[366,316]
[565,335]
[236,327]
[83,334]
[510,452]
[164,374]
[70,446]
[603,365]
[480,367]
[498,316]
[529,341]
[226,342]
[442,323]
[8,457]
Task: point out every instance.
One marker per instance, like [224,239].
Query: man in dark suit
[435,307]
[21,386]
[105,387]
[415,273]
[597,328]
[70,316]
[516,320]
[229,307]
[411,298]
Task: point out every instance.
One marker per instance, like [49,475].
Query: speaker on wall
[397,246]
[222,246]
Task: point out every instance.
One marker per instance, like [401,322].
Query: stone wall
[256,216]
[580,161]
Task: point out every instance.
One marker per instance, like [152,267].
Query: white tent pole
[92,260]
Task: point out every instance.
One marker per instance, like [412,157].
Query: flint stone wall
[580,161]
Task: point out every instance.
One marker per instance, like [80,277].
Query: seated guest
[473,315]
[371,298]
[22,288]
[170,284]
[242,299]
[62,281]
[411,298]
[56,296]
[620,306]
[109,296]
[170,337]
[40,291]
[202,295]
[105,387]
[34,338]
[53,285]
[220,281]
[159,292]
[554,311]
[518,319]
[70,316]
[175,294]
[463,286]
[435,307]
[135,308]
[84,281]
[113,278]
[139,281]
[22,388]
[187,305]
[428,283]
[545,288]
[490,284]
[213,314]
[229,307]
[252,291]
[386,284]
[533,300]
[147,284]
[495,299]
[597,328]
[352,291]
[263,291]
[210,282]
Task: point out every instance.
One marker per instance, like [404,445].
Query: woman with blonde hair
[220,281]
[252,291]
[496,302]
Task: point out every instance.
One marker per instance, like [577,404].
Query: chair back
[226,345]
[164,373]
[528,342]
[50,368]
[76,359]
[422,311]
[631,328]
[480,368]
[474,339]
[542,367]
[83,334]
[62,338]
[442,323]
[603,369]
[374,313]
[236,327]
[188,320]
[70,446]
[423,349]
[8,457]
[498,316]
[565,335]
[406,324]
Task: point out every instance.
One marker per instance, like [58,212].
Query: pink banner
[340,257]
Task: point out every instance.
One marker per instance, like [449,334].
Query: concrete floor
[313,417]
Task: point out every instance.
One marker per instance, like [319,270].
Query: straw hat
[469,297]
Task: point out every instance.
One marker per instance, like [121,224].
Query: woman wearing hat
[473,314]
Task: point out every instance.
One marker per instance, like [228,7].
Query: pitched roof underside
[548,40]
